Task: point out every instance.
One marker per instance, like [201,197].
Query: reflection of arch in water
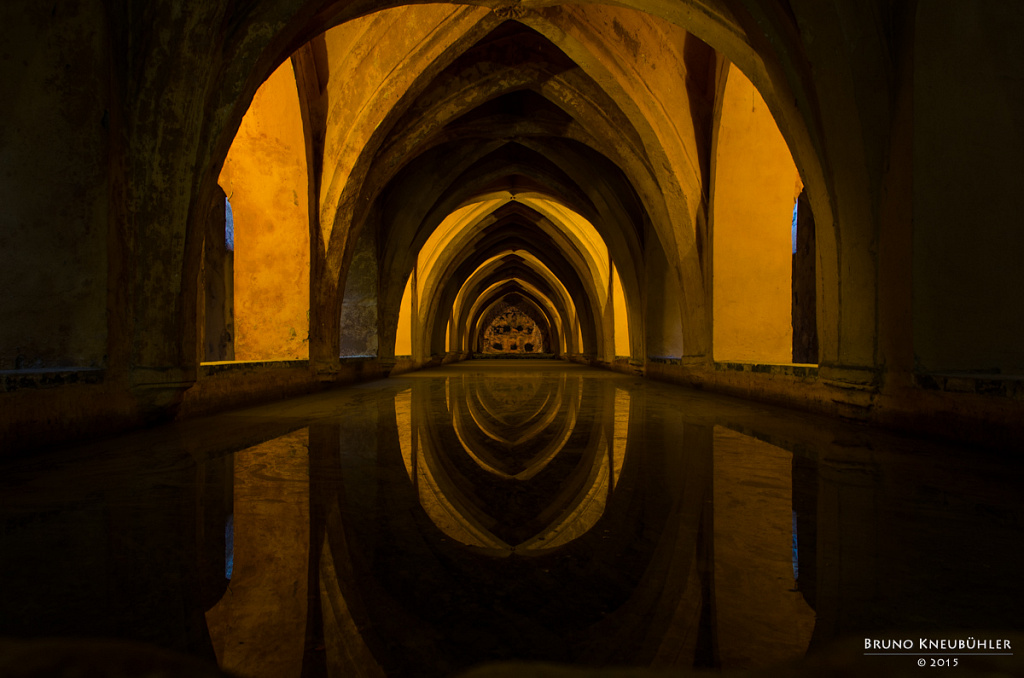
[494,406]
[447,496]
[472,414]
[628,591]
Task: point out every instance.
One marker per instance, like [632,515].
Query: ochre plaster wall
[54,169]
[403,337]
[755,187]
[621,318]
[264,177]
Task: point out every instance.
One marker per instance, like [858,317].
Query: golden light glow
[582,232]
[468,219]
[478,411]
[456,231]
[563,405]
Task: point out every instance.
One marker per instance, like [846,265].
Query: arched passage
[574,115]
[136,197]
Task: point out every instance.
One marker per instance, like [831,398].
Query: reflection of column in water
[761,618]
[229,546]
[620,434]
[403,419]
[258,626]
[581,517]
[667,620]
[335,644]
[214,480]
[796,551]
[347,654]
[805,517]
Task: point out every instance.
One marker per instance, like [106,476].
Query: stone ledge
[999,385]
[512,356]
[210,369]
[14,380]
[800,370]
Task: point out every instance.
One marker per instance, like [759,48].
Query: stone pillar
[218,286]
[805,316]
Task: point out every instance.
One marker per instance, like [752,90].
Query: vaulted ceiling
[489,153]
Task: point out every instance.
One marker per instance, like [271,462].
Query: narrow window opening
[804,301]
[218,327]
[796,212]
[229,227]
[229,546]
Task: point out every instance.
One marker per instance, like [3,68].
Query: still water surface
[490,510]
